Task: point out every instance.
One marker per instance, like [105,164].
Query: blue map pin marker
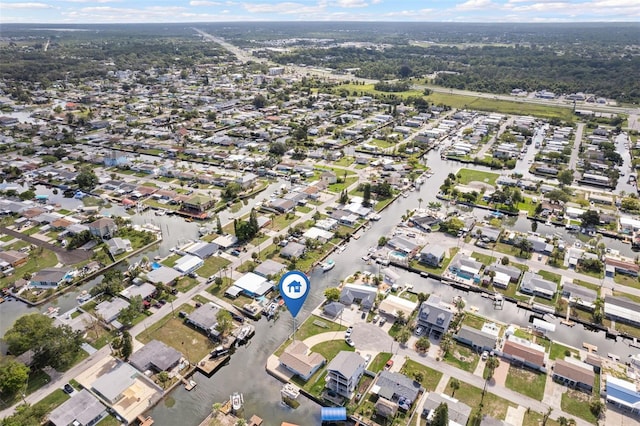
[294,288]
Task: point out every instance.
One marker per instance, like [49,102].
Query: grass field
[526,382]
[430,377]
[576,403]
[558,351]
[212,265]
[462,357]
[493,405]
[468,175]
[379,362]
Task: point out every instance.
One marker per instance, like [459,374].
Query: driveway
[370,337]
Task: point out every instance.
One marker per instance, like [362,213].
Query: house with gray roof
[333,309]
[292,249]
[488,233]
[534,284]
[143,289]
[110,309]
[513,272]
[458,412]
[202,249]
[434,316]
[205,318]
[82,409]
[432,254]
[344,372]
[163,275]
[579,294]
[269,268]
[397,388]
[363,295]
[112,385]
[49,278]
[477,339]
[155,356]
[298,359]
[619,308]
[103,227]
[403,245]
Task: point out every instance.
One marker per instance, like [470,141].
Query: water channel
[245,372]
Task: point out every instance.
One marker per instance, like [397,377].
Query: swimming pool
[155,265]
[399,254]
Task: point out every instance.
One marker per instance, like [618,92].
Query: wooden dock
[189,384]
[209,365]
[145,421]
[589,347]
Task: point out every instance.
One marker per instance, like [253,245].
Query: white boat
[161,212]
[328,265]
[290,391]
[244,332]
[236,401]
[83,297]
[52,312]
[405,195]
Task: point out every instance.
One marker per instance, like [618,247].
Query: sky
[133,11]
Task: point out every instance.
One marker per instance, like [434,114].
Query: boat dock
[145,421]
[210,365]
[189,384]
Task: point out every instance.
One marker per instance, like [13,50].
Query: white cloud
[93,1]
[284,8]
[476,4]
[204,3]
[351,3]
[26,6]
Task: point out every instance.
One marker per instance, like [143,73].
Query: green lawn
[558,351]
[576,403]
[512,250]
[46,259]
[212,265]
[308,329]
[430,377]
[483,258]
[473,321]
[469,175]
[550,276]
[175,333]
[533,418]
[493,405]
[526,382]
[627,280]
[330,349]
[379,361]
[462,357]
[587,284]
[171,260]
[438,271]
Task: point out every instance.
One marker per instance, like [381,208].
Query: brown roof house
[522,352]
[104,227]
[574,374]
[297,359]
[14,258]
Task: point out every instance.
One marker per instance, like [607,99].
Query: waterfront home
[143,289]
[205,318]
[292,249]
[534,284]
[104,227]
[187,264]
[269,268]
[299,360]
[464,267]
[623,394]
[252,284]
[511,271]
[155,356]
[82,409]
[521,352]
[618,308]
[363,295]
[395,306]
[109,310]
[118,246]
[344,372]
[163,275]
[432,254]
[618,266]
[50,278]
[434,317]
[478,340]
[574,374]
[579,295]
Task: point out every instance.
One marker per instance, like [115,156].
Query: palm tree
[492,363]
[546,416]
[454,384]
[419,203]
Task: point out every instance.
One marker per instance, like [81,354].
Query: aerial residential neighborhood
[479,262]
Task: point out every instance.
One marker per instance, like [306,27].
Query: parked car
[364,315]
[485,355]
[388,365]
[68,389]
[382,321]
[418,331]
[349,342]
[347,333]
[235,253]
[182,314]
[367,359]
[375,319]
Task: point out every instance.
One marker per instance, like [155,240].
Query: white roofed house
[396,306]
[188,263]
[622,309]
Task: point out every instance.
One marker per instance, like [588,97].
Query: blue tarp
[329,414]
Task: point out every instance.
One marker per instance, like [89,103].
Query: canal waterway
[246,371]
